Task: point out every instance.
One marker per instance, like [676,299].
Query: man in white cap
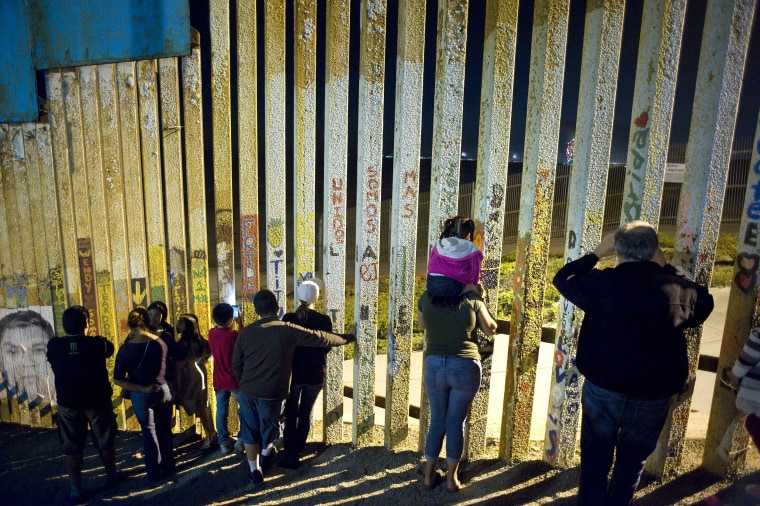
[309,372]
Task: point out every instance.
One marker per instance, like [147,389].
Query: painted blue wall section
[18,90]
[45,34]
[84,32]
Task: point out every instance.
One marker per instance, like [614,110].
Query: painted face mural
[26,373]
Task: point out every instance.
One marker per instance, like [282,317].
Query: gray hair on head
[636,241]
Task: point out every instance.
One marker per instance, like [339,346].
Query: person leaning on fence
[262,362]
[222,340]
[140,369]
[452,374]
[309,374]
[632,352]
[84,396]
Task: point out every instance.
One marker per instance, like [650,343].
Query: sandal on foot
[438,478]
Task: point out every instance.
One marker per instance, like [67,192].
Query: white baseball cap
[308,291]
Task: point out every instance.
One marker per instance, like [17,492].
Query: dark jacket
[263,355]
[309,362]
[632,340]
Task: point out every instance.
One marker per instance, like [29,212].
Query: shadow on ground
[32,472]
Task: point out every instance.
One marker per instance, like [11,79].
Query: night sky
[748,106]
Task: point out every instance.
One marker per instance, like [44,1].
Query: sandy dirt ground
[32,472]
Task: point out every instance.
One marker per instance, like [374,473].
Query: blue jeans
[259,420]
[298,417]
[443,286]
[612,420]
[155,422]
[222,408]
[451,384]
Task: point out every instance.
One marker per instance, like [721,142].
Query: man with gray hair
[632,352]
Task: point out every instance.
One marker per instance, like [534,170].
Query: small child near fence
[455,260]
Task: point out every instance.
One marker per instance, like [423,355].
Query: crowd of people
[635,314]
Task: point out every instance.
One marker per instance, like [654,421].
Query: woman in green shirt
[452,374]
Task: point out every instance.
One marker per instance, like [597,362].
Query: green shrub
[726,246]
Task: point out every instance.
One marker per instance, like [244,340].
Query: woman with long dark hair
[140,368]
[451,374]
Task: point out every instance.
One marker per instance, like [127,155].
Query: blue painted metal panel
[67,33]
[18,90]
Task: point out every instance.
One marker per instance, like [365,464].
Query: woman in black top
[140,368]
[308,377]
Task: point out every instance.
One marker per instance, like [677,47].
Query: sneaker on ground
[268,460]
[209,443]
[289,463]
[227,446]
[256,478]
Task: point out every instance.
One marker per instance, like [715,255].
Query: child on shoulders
[455,261]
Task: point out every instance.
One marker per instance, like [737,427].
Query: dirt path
[32,472]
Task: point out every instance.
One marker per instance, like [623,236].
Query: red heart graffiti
[745,282]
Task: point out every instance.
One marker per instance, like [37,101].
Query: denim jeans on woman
[612,420]
[222,409]
[451,383]
[155,422]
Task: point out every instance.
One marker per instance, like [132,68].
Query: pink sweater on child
[457,259]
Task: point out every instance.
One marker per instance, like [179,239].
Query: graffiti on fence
[249,225]
[632,196]
[23,353]
[87,277]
